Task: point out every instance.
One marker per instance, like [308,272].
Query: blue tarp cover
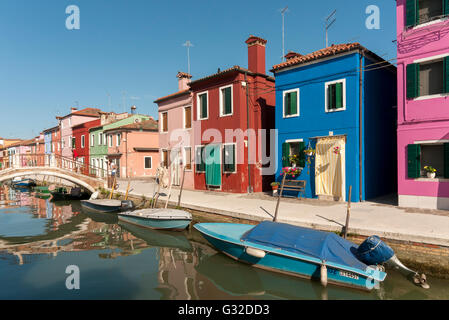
[318,244]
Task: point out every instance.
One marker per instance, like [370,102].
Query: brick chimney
[292,54]
[183,80]
[73,109]
[256,54]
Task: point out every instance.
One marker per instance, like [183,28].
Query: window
[229,163]
[148,162]
[100,139]
[165,159]
[428,78]
[188,158]
[83,141]
[110,140]
[199,159]
[293,153]
[92,140]
[291,103]
[226,101]
[119,139]
[202,105]
[164,123]
[435,155]
[188,117]
[335,95]
[423,11]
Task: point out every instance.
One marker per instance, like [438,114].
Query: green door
[213,166]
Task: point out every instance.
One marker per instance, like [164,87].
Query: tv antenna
[188,44]
[330,20]
[283,12]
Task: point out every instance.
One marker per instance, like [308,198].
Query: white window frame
[235,157]
[184,117]
[109,136]
[144,162]
[298,113]
[92,140]
[326,85]
[100,138]
[164,130]
[194,163]
[198,105]
[432,60]
[184,158]
[83,141]
[221,101]
[119,138]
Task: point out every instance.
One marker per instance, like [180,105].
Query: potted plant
[309,152]
[431,171]
[275,187]
[291,171]
[294,159]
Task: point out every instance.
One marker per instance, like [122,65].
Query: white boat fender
[257,253]
[323,274]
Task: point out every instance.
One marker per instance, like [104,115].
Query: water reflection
[38,239]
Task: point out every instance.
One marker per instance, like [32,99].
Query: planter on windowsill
[431,175]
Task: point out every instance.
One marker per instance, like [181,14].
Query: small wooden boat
[18,182]
[296,251]
[107,205]
[61,194]
[159,219]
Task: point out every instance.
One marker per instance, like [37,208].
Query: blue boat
[299,252]
[158,219]
[23,183]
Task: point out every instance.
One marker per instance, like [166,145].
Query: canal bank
[420,238]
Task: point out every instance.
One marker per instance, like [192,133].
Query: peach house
[423,103]
[136,147]
[176,132]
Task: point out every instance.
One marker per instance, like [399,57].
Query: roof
[232,69]
[88,112]
[51,129]
[183,75]
[23,143]
[320,54]
[173,95]
[147,125]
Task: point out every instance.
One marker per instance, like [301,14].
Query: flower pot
[431,175]
[294,165]
[275,187]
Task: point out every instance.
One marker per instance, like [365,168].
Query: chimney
[133,109]
[291,55]
[183,80]
[256,54]
[73,109]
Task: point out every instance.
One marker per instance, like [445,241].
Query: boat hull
[99,208]
[58,196]
[288,265]
[156,224]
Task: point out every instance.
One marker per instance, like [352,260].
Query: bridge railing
[20,161]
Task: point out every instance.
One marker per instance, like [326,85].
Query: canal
[39,239]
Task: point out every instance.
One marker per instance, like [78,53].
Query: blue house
[48,140]
[336,118]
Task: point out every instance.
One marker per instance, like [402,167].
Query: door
[213,166]
[330,177]
[176,167]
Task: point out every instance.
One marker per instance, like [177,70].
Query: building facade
[176,138]
[82,142]
[234,109]
[336,122]
[423,103]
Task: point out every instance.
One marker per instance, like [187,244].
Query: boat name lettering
[349,275]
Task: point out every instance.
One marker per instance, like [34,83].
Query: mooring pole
[182,186]
[113,187]
[127,189]
[348,213]
[279,198]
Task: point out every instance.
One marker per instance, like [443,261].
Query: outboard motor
[127,205]
[374,251]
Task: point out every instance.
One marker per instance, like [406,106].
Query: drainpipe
[126,153]
[247,131]
[360,125]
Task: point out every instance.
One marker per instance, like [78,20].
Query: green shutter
[414,160]
[228,100]
[411,13]
[339,95]
[446,160]
[446,7]
[285,155]
[331,97]
[293,102]
[412,80]
[302,155]
[213,166]
[204,106]
[446,71]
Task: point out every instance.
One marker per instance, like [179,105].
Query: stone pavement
[367,218]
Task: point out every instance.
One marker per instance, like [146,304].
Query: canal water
[39,239]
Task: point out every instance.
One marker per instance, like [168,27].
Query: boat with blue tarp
[299,251]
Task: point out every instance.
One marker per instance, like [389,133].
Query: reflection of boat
[158,238]
[102,217]
[107,205]
[237,279]
[61,194]
[294,250]
[159,219]
[19,182]
[42,191]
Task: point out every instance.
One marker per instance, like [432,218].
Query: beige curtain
[329,169]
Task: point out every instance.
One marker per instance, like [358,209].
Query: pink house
[176,136]
[74,118]
[423,103]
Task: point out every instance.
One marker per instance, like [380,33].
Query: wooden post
[279,198]
[348,213]
[182,186]
[112,188]
[127,189]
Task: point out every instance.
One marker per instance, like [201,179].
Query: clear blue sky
[135,46]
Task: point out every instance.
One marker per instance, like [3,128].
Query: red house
[81,142]
[228,156]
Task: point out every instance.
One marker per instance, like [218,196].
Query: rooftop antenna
[329,23]
[188,44]
[283,12]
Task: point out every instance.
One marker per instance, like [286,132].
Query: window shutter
[412,80]
[446,7]
[287,105]
[203,106]
[285,155]
[414,160]
[294,102]
[331,97]
[411,13]
[302,155]
[446,66]
[228,101]
[446,160]
[338,95]
[229,158]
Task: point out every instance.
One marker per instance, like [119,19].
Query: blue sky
[135,46]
